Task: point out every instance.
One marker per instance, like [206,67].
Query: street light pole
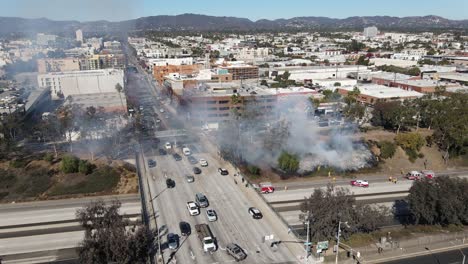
[338,242]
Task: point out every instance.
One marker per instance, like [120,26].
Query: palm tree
[119,89]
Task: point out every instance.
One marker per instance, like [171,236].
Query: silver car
[211,215]
[190,178]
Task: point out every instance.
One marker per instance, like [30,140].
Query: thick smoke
[256,138]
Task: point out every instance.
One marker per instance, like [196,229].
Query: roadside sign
[322,245]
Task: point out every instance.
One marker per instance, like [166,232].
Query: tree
[441,201]
[119,89]
[337,84]
[107,238]
[363,61]
[264,83]
[326,207]
[393,115]
[414,71]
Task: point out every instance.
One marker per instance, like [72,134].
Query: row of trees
[447,116]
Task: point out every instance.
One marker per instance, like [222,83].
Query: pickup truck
[206,237]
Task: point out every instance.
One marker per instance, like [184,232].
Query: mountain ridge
[196,22]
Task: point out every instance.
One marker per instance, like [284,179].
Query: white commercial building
[304,74]
[86,84]
[370,32]
[79,35]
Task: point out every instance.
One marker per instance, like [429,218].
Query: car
[193,208]
[177,157]
[151,163]
[186,151]
[223,171]
[196,170]
[190,178]
[192,160]
[161,110]
[172,241]
[185,228]
[255,213]
[360,183]
[211,215]
[168,145]
[203,163]
[158,120]
[170,183]
[236,251]
[201,199]
[162,152]
[428,174]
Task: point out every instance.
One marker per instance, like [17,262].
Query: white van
[186,151]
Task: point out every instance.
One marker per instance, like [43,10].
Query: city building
[370,32]
[58,65]
[86,87]
[79,35]
[310,74]
[159,72]
[372,93]
[102,61]
[45,39]
[241,71]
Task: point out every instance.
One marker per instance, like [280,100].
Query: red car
[360,183]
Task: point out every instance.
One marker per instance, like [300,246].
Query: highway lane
[47,242]
[448,257]
[375,188]
[234,224]
[36,215]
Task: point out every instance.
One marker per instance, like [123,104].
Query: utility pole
[307,248]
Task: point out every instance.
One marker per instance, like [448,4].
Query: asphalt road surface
[234,223]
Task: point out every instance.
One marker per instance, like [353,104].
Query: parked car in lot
[172,241]
[162,152]
[168,145]
[201,199]
[211,215]
[185,228]
[196,170]
[190,178]
[360,183]
[192,160]
[255,213]
[236,251]
[193,208]
[186,151]
[151,163]
[223,171]
[170,183]
[203,163]
[177,157]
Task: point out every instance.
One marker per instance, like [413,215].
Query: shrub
[387,149]
[85,167]
[411,143]
[48,157]
[253,169]
[69,164]
[18,164]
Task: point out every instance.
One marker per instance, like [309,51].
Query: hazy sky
[116,10]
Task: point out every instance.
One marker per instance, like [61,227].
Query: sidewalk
[412,248]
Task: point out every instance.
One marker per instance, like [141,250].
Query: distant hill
[193,22]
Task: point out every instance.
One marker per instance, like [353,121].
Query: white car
[168,145]
[193,208]
[161,110]
[211,214]
[203,163]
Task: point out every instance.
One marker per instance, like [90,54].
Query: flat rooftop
[381,91]
[461,77]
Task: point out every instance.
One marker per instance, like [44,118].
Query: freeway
[447,257]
